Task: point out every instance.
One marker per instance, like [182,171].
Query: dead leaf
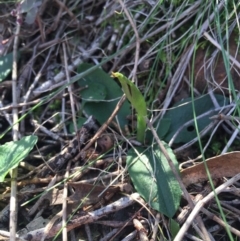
[55,197]
[105,143]
[89,193]
[226,165]
[86,193]
[215,75]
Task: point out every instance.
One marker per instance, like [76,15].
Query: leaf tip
[114,75]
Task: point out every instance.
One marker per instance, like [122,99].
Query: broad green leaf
[138,102]
[163,127]
[174,228]
[11,153]
[162,130]
[153,178]
[6,63]
[94,92]
[103,109]
[182,112]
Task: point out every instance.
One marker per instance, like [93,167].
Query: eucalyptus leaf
[11,153]
[154,179]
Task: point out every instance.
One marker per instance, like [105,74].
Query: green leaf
[162,130]
[94,92]
[182,112]
[133,94]
[163,127]
[6,63]
[174,228]
[153,178]
[138,102]
[11,153]
[103,109]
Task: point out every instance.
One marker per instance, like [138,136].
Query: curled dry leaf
[226,165]
[105,142]
[216,73]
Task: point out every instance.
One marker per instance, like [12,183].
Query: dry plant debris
[75,184]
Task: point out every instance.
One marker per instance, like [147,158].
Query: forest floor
[109,112]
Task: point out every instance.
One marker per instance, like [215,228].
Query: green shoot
[137,100]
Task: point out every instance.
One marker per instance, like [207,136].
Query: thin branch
[14,172]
